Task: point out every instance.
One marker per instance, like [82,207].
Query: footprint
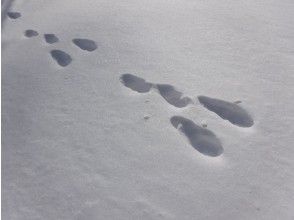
[85,44]
[172,96]
[135,83]
[146,117]
[31,33]
[168,92]
[228,111]
[50,38]
[13,15]
[202,139]
[62,58]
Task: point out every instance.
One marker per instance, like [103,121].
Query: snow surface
[78,144]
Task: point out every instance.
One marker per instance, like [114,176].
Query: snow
[75,140]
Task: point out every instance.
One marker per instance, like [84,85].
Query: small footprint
[13,15]
[31,33]
[228,111]
[146,117]
[172,96]
[135,83]
[62,58]
[85,44]
[51,38]
[202,139]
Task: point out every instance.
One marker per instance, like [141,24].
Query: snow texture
[148,110]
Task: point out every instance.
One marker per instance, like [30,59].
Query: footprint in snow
[202,139]
[85,44]
[168,92]
[172,96]
[232,112]
[62,58]
[31,33]
[51,38]
[135,83]
[13,15]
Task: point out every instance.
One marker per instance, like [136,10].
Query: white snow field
[151,109]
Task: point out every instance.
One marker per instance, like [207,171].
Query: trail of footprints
[61,57]
[201,138]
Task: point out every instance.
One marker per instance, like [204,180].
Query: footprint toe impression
[51,38]
[202,139]
[85,44]
[172,96]
[13,15]
[31,33]
[62,58]
[228,111]
[135,83]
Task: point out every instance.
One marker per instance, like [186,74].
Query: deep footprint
[172,96]
[228,111]
[13,15]
[135,83]
[31,33]
[85,44]
[51,38]
[202,139]
[62,58]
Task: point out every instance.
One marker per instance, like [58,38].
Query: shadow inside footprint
[228,111]
[202,139]
[31,33]
[51,38]
[135,83]
[85,44]
[172,96]
[62,58]
[13,15]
